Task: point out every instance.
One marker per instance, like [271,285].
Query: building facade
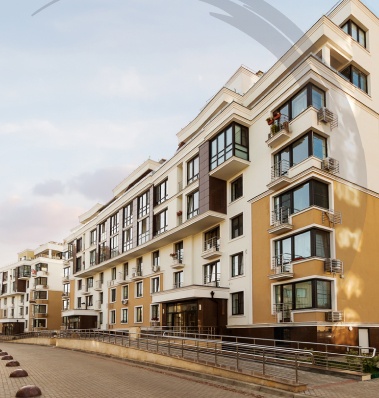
[264,221]
[31,291]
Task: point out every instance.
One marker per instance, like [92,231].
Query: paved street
[69,374]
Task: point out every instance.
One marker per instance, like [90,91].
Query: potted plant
[274,128]
[277,115]
[173,255]
[179,213]
[270,121]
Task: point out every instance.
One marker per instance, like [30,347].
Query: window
[102,232]
[92,258]
[178,279]
[357,33]
[113,295]
[311,243]
[114,246]
[237,303]
[193,204]
[155,285]
[310,95]
[139,289]
[103,252]
[310,144]
[212,239]
[124,315]
[90,301]
[154,312]
[355,76]
[314,293]
[93,237]
[312,193]
[178,250]
[113,273]
[125,269]
[143,204]
[143,231]
[233,141]
[193,170]
[236,190]
[90,282]
[39,323]
[112,317]
[139,266]
[127,239]
[101,297]
[80,284]
[79,302]
[66,289]
[237,264]
[125,292]
[212,273]
[237,226]
[128,215]
[160,222]
[156,259]
[78,264]
[40,295]
[101,317]
[160,193]
[79,245]
[138,314]
[114,224]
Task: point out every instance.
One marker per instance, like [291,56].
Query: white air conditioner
[125,301]
[155,268]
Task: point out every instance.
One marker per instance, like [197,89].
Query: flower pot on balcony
[277,115]
[270,121]
[179,213]
[274,128]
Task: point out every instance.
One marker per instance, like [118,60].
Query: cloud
[49,188]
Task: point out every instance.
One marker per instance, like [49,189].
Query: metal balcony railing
[279,125]
[324,115]
[212,244]
[280,169]
[333,266]
[280,216]
[212,280]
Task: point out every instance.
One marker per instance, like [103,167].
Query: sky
[90,89]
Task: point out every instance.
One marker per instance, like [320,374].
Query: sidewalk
[70,374]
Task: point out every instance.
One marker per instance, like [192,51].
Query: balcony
[98,285]
[39,315]
[212,280]
[41,287]
[333,266]
[282,312]
[41,273]
[24,272]
[86,290]
[211,248]
[279,175]
[65,278]
[177,262]
[229,168]
[121,279]
[279,132]
[334,316]
[280,221]
[137,275]
[281,267]
[65,295]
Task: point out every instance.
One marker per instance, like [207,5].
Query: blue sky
[92,88]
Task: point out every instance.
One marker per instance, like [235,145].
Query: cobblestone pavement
[70,374]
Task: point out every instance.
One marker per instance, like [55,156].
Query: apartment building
[263,223]
[31,290]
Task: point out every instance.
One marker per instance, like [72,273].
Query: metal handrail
[280,169]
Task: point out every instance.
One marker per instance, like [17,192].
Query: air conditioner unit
[325,115]
[155,268]
[133,274]
[330,164]
[125,301]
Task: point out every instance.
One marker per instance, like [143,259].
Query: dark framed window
[314,293]
[113,295]
[193,170]
[178,250]
[138,314]
[79,245]
[311,243]
[311,193]
[156,258]
[310,144]
[155,284]
[124,315]
[308,96]
[237,226]
[125,292]
[237,303]
[139,268]
[93,237]
[178,279]
[112,316]
[139,289]
[92,258]
[160,222]
[356,77]
[114,224]
[212,273]
[78,264]
[102,232]
[193,204]
[154,309]
[143,204]
[233,141]
[160,193]
[128,215]
[103,252]
[212,239]
[127,239]
[356,32]
[143,230]
[113,244]
[113,273]
[237,264]
[90,282]
[236,189]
